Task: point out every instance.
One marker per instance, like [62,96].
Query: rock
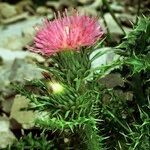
[127,19]
[9,56]
[106,57]
[15,18]
[14,66]
[1,61]
[90,9]
[41,10]
[4,77]
[6,136]
[18,35]
[6,105]
[26,118]
[96,4]
[21,71]
[85,2]
[87,10]
[60,5]
[36,57]
[7,10]
[117,8]
[45,11]
[25,5]
[53,4]
[101,57]
[15,43]
[112,80]
[113,26]
[4,124]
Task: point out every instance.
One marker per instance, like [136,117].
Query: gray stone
[7,10]
[113,26]
[6,136]
[26,118]
[16,36]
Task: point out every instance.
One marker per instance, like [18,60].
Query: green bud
[56,87]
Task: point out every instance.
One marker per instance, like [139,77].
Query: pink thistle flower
[66,33]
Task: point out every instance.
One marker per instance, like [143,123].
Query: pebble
[7,10]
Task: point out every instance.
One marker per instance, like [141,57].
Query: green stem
[138,89]
[113,15]
[93,140]
[117,120]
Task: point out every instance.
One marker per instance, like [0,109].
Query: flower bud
[55,87]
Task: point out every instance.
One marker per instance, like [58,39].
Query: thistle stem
[93,140]
[117,120]
[138,89]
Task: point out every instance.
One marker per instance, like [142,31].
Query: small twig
[105,23]
[138,10]
[113,15]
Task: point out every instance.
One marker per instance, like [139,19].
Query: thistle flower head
[66,33]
